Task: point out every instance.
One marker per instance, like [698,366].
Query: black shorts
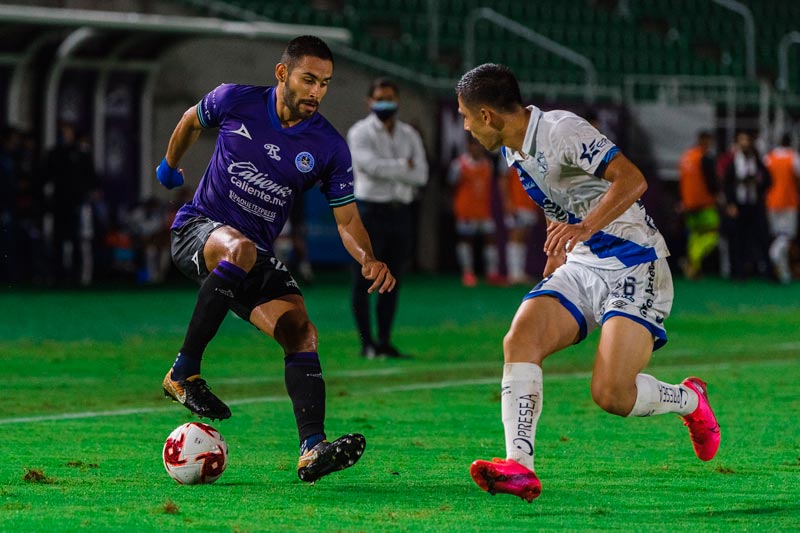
[269,279]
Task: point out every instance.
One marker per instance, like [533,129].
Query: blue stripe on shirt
[601,168]
[603,245]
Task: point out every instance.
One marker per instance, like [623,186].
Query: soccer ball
[195,453]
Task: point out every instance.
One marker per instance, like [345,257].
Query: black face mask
[384,110]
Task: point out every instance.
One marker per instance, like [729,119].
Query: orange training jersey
[694,191]
[473,193]
[782,165]
[518,198]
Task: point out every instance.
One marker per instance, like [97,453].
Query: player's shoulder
[565,128]
[323,126]
[326,137]
[561,121]
[240,92]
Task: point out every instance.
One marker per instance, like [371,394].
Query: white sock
[492,259]
[464,255]
[515,253]
[521,405]
[655,397]
[779,254]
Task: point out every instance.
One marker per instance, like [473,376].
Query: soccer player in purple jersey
[606,268]
[271,146]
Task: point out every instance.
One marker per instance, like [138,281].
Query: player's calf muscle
[617,400]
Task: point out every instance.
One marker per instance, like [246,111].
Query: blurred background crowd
[702,95]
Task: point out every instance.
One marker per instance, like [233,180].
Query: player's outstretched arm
[627,186]
[185,134]
[356,242]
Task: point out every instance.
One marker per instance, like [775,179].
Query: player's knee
[519,350]
[242,253]
[612,398]
[307,331]
[297,334]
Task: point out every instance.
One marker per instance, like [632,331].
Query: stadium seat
[658,37]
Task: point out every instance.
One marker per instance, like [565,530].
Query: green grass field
[84,419]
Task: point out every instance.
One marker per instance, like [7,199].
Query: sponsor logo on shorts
[648,304]
[276,263]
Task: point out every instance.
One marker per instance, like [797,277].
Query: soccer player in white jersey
[606,267]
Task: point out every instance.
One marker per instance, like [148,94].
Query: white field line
[558,376]
[493,362]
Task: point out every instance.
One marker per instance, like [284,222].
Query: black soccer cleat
[327,457]
[194,394]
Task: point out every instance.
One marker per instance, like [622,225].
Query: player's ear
[493,119]
[281,72]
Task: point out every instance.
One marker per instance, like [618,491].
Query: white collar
[529,142]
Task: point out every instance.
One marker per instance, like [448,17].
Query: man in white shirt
[389,165]
[606,267]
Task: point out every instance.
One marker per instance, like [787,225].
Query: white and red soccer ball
[195,453]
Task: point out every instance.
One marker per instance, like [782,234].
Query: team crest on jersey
[304,162]
[593,148]
[541,163]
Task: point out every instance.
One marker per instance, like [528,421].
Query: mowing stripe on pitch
[415,366]
[383,390]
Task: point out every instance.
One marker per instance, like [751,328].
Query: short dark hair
[490,84]
[305,45]
[380,83]
[786,139]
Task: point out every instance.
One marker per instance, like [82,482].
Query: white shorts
[642,293]
[469,228]
[783,222]
[521,218]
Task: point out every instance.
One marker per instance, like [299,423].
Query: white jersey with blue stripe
[561,167]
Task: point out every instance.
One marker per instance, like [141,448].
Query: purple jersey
[259,167]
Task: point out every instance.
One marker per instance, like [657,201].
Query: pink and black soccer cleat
[702,424]
[506,476]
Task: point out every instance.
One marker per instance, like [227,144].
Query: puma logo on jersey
[243,132]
